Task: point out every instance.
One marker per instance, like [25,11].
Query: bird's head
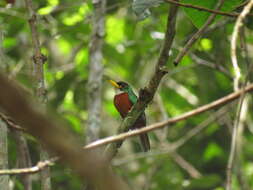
[122,86]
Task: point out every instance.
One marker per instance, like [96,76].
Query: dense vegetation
[190,154]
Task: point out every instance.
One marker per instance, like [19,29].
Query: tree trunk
[4,179]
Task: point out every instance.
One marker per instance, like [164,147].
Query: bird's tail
[145,142]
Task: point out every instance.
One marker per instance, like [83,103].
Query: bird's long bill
[114,83]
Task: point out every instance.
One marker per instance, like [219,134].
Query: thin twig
[194,173]
[177,144]
[162,138]
[38,167]
[198,34]
[232,155]
[212,105]
[199,128]
[244,112]
[203,8]
[10,123]
[238,25]
[217,66]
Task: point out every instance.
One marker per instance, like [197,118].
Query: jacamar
[123,101]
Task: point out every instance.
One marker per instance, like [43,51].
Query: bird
[123,101]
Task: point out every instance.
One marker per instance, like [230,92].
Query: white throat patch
[117,91]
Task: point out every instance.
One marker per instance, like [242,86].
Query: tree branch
[202,8]
[10,123]
[39,88]
[232,155]
[212,105]
[147,94]
[4,180]
[39,166]
[88,164]
[197,35]
[94,86]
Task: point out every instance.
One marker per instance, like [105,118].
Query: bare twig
[217,67]
[38,167]
[197,35]
[147,94]
[232,155]
[239,149]
[203,8]
[212,105]
[10,123]
[184,116]
[199,128]
[190,169]
[238,25]
[243,117]
[194,173]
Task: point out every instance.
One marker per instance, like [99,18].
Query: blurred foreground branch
[88,164]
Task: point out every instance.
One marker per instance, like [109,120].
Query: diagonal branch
[10,123]
[159,125]
[202,8]
[88,164]
[147,94]
[197,35]
[212,105]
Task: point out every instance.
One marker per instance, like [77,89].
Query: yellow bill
[114,83]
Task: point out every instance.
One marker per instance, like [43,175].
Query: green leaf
[212,150]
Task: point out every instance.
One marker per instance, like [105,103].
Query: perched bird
[123,101]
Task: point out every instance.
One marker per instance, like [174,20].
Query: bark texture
[24,158]
[95,71]
[4,179]
[39,85]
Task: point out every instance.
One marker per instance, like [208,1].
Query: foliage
[130,52]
